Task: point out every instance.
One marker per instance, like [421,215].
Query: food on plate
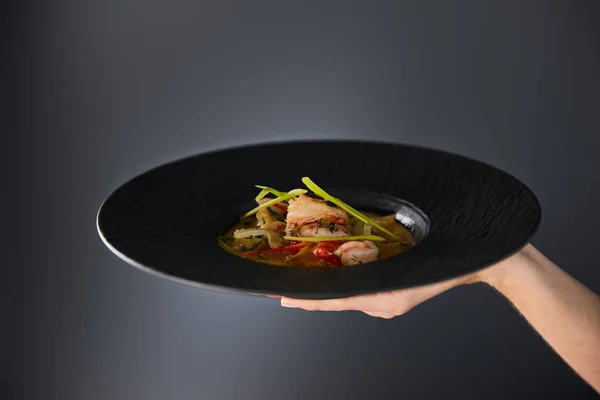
[295,228]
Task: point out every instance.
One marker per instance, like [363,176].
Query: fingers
[272,296]
[356,303]
[379,315]
[383,305]
[315,305]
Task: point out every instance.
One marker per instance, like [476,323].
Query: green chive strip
[334,239]
[284,197]
[321,193]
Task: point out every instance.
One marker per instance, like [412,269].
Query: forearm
[562,310]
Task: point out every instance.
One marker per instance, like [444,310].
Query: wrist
[512,271]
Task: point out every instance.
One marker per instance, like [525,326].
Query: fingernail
[287,303]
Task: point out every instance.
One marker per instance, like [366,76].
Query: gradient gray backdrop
[95,92]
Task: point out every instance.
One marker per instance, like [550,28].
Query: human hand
[394,303]
[386,305]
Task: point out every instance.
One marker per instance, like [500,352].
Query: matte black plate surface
[465,215]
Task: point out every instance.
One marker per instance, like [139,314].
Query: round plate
[464,214]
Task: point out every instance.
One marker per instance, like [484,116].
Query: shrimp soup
[298,253]
[296,228]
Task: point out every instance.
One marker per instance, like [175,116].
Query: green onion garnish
[279,199]
[266,190]
[320,192]
[334,239]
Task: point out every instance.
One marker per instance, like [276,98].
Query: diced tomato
[291,249]
[326,251]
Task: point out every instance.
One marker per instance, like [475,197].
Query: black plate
[464,215]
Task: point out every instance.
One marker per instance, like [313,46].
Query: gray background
[95,92]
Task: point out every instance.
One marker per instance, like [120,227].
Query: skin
[562,310]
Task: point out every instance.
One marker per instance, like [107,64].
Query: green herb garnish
[334,239]
[321,193]
[279,199]
[266,190]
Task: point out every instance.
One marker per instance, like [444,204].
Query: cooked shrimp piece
[357,252]
[326,251]
[323,230]
[305,210]
[271,218]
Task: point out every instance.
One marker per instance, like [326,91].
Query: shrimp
[326,251]
[312,217]
[323,229]
[357,252]
[271,218]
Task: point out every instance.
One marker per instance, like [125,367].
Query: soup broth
[247,247]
